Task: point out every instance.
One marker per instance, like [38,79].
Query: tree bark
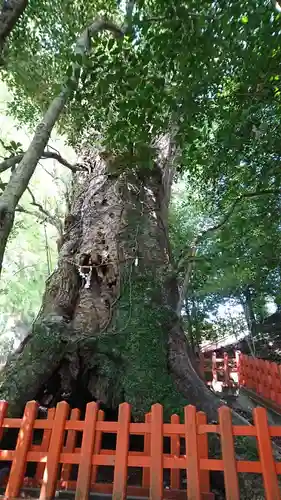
[247,304]
[108,329]
[20,178]
[10,13]
[249,310]
[191,339]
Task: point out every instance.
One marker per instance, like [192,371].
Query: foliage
[23,280]
[31,252]
[243,252]
[139,84]
[209,71]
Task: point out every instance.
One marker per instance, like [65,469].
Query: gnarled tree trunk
[10,13]
[107,329]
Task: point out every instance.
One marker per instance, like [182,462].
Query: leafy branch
[14,160]
[190,257]
[42,214]
[20,178]
[236,202]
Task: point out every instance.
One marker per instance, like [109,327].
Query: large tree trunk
[10,13]
[107,329]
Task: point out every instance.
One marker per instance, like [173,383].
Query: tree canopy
[209,75]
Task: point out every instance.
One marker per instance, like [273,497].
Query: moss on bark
[115,285]
[133,351]
[26,371]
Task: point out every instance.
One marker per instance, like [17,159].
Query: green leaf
[77,72]
[110,44]
[79,59]
[244,19]
[69,71]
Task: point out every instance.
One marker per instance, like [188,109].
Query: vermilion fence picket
[224,369]
[147,445]
[228,454]
[263,377]
[69,445]
[175,452]
[46,441]
[97,448]
[122,450]
[265,453]
[257,375]
[58,453]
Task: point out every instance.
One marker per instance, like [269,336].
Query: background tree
[142,112]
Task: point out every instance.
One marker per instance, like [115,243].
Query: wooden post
[267,378]
[256,375]
[279,388]
[49,484]
[156,466]
[237,359]
[192,457]
[175,451]
[214,367]
[122,450]
[87,447]
[97,447]
[203,452]
[147,445]
[275,382]
[22,447]
[244,379]
[3,412]
[70,445]
[241,370]
[226,369]
[45,446]
[228,454]
[266,456]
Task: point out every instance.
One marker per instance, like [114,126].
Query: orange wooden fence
[59,451]
[221,369]
[263,377]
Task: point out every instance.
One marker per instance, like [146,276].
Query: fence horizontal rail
[70,442]
[223,372]
[261,376]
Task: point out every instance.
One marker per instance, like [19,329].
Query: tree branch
[200,237]
[20,178]
[184,287]
[14,160]
[38,215]
[55,221]
[42,214]
[189,14]
[238,200]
